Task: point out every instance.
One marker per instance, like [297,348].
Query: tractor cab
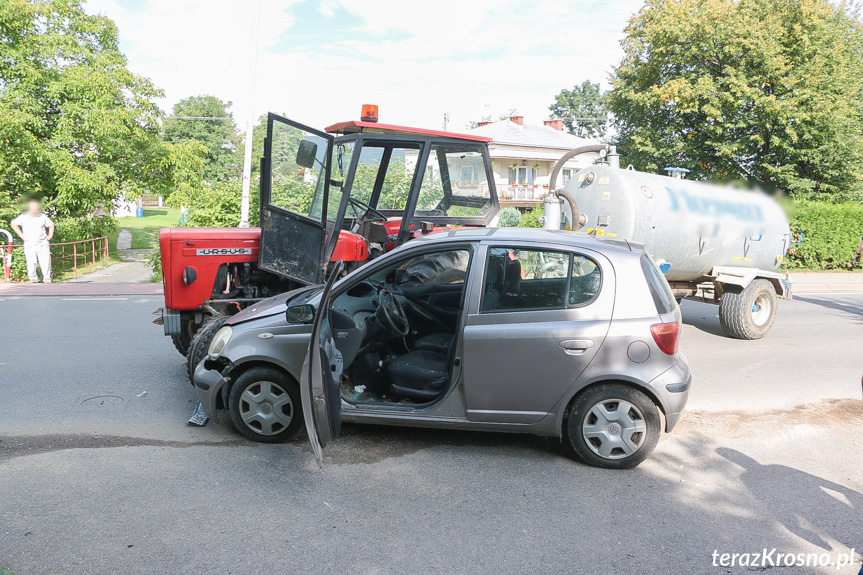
[361,188]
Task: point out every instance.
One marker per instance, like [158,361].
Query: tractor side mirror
[306,154]
[304,313]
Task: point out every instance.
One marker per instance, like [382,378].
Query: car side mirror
[306,154]
[400,277]
[304,313]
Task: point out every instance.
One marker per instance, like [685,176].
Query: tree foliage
[207,121]
[77,127]
[770,91]
[582,110]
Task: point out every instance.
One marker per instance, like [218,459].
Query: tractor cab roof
[366,127]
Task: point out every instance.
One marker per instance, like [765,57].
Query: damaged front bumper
[209,383]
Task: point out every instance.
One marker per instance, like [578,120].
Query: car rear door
[299,214]
[321,375]
[539,317]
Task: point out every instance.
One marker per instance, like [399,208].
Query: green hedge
[831,232]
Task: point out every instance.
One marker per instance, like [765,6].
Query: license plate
[224,252]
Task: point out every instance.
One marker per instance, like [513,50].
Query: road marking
[855,293]
[94,299]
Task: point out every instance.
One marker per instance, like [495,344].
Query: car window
[659,288]
[517,279]
[585,281]
[521,279]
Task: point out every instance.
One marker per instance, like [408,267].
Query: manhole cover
[100,403]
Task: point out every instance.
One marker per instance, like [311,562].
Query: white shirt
[34,228]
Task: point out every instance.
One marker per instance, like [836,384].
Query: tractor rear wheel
[201,343]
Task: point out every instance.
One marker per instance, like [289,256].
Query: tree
[78,128]
[206,120]
[770,91]
[582,110]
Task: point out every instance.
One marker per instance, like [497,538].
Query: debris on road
[198,418]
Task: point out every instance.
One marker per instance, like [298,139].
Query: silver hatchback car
[521,330]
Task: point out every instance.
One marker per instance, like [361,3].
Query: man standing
[859,251]
[36,229]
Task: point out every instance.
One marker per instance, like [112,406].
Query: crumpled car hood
[269,307]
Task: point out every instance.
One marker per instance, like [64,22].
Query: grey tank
[689,226]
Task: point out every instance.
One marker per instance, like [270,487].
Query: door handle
[576,346]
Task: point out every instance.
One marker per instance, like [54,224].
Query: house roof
[507,132]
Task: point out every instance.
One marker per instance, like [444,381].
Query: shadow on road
[702,316]
[846,308]
[812,513]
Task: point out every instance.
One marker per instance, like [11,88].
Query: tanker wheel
[748,313]
[201,343]
[183,340]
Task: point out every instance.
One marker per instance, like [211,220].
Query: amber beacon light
[370,113]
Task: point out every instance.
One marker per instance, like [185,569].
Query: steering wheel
[359,204]
[393,312]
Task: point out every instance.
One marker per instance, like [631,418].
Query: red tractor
[324,198]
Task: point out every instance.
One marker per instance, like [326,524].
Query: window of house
[517,279]
[566,176]
[521,175]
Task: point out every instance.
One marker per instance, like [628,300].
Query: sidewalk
[839,282]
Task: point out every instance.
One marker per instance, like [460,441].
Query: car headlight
[220,340]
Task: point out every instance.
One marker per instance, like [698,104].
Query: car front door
[321,375]
[537,320]
[299,211]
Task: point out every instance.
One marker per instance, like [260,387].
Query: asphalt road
[768,456]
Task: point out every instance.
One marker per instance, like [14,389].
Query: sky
[318,61]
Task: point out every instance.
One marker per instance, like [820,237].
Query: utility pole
[250,123]
[445,120]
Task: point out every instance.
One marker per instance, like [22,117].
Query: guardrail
[72,257]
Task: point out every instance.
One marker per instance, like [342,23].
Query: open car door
[321,375]
[298,212]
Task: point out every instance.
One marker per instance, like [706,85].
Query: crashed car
[553,333]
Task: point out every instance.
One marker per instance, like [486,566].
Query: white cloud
[318,61]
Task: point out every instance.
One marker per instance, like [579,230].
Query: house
[523,156]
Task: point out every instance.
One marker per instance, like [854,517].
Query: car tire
[748,313]
[201,343]
[621,441]
[267,420]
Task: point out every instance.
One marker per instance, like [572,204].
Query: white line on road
[94,299]
[857,293]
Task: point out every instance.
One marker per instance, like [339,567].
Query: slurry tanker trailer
[715,244]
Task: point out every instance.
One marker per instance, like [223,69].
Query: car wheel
[265,405]
[748,313]
[201,343]
[612,426]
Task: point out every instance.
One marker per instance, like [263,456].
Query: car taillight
[665,336]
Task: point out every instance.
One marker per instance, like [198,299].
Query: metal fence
[76,257]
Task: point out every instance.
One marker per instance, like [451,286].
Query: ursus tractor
[350,193]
